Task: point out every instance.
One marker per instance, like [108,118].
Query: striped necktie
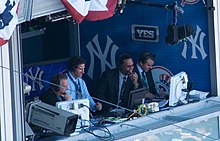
[78,89]
[122,91]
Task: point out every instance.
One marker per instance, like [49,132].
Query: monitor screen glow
[136,97]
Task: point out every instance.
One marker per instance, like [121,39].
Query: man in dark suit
[143,69]
[115,85]
[57,90]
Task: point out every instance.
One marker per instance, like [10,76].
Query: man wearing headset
[57,90]
[110,86]
[77,86]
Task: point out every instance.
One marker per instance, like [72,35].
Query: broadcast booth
[40,47]
[76,123]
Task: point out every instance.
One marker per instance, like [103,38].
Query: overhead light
[175,34]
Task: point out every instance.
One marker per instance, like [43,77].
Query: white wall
[216,4]
[11,90]
[5,96]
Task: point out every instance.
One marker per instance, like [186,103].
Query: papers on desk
[163,103]
[114,120]
[197,95]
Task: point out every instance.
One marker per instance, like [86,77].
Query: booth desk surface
[154,123]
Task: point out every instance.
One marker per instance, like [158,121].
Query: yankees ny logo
[36,79]
[6,16]
[199,36]
[95,49]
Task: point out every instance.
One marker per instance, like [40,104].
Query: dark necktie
[78,89]
[122,91]
[145,80]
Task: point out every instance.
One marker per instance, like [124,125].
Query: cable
[112,104]
[108,137]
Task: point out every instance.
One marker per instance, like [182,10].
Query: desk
[152,125]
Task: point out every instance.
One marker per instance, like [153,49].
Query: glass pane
[205,130]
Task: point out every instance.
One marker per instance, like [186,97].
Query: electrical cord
[141,111]
[103,128]
[108,137]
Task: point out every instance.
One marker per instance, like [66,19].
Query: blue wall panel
[195,62]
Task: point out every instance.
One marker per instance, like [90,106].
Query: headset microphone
[179,9]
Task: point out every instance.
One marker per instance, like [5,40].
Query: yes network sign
[145,33]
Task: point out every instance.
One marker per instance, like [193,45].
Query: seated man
[57,90]
[115,85]
[77,86]
[143,69]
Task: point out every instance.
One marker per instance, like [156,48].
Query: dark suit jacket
[149,79]
[50,97]
[108,88]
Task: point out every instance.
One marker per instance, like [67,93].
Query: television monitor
[178,87]
[79,107]
[136,97]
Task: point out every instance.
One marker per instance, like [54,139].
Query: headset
[55,81]
[74,62]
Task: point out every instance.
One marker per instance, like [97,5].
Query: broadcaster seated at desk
[143,69]
[77,86]
[57,90]
[110,87]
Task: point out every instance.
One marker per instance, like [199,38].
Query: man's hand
[150,95]
[68,97]
[98,106]
[134,78]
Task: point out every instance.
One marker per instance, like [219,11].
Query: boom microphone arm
[174,7]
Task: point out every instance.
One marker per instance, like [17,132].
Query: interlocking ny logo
[199,36]
[36,79]
[95,50]
[6,16]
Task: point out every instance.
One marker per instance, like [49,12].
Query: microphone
[179,9]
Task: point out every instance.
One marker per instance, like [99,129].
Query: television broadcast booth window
[46,48]
[45,40]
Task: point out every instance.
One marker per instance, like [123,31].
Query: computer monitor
[79,107]
[178,89]
[136,97]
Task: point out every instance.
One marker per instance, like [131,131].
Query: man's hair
[144,56]
[74,62]
[55,81]
[123,57]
